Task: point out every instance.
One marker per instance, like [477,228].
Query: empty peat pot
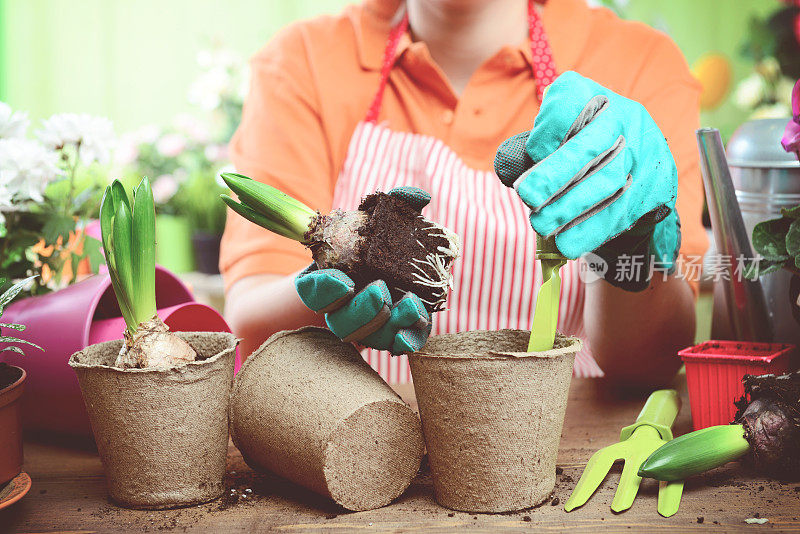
[492,416]
[307,407]
[162,434]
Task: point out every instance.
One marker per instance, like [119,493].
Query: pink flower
[791,136]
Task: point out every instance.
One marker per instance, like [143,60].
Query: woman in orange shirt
[421,93]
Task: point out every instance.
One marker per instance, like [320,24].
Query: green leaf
[13,326]
[12,348]
[792,213]
[92,249]
[263,221]
[769,238]
[9,339]
[793,238]
[58,226]
[12,292]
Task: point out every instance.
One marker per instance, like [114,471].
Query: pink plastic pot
[70,320]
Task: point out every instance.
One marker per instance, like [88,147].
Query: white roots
[434,270]
[153,346]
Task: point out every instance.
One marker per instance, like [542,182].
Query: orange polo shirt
[313,82]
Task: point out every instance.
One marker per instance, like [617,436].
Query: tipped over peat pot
[162,435]
[492,416]
[307,407]
[12,381]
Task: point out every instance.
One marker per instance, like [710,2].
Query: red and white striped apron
[496,278]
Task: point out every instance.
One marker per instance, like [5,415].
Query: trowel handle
[659,411]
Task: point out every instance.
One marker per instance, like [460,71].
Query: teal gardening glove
[368,317]
[598,175]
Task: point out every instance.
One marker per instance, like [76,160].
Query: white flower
[126,150]
[26,167]
[192,127]
[148,134]
[750,92]
[171,145]
[164,188]
[207,90]
[95,135]
[12,124]
[216,153]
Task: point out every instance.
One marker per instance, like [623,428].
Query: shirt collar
[566,23]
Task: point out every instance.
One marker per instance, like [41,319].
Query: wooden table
[69,495]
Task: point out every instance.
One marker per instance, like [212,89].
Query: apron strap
[544,68]
[388,62]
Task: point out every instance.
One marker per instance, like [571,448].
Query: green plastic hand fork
[651,430]
[545,314]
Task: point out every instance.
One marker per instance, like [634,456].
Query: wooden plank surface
[69,495]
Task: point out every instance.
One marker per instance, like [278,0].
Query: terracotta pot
[162,435]
[308,407]
[11,427]
[492,416]
[76,317]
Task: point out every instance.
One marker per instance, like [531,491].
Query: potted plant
[157,400]
[49,193]
[12,382]
[199,201]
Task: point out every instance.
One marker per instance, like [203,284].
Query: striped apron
[496,278]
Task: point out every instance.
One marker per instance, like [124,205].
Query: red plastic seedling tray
[714,372]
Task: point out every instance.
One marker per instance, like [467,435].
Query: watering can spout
[748,316]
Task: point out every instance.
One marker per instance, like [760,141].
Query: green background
[133,60]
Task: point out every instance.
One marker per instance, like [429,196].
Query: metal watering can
[762,179]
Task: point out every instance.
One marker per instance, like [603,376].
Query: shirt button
[447,116]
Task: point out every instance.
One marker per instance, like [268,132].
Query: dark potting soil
[769,410]
[8,375]
[393,235]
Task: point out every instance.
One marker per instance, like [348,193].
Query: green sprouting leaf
[769,238]
[792,213]
[13,326]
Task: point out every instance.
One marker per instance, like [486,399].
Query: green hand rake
[651,430]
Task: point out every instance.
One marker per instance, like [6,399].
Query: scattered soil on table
[8,375]
[393,236]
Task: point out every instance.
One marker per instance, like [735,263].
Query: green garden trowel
[651,430]
[545,314]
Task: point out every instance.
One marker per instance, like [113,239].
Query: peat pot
[307,407]
[162,435]
[492,416]
[12,380]
[66,321]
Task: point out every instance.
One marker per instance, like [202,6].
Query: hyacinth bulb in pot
[12,382]
[157,400]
